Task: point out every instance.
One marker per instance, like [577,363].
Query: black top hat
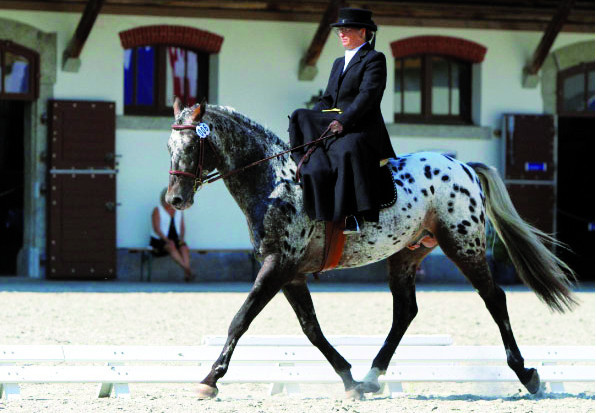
[355,18]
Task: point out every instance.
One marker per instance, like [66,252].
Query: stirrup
[351,225]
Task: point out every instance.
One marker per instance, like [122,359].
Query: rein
[199,181]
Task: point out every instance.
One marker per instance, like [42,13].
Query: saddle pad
[387,188]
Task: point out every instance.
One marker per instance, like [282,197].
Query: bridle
[197,176]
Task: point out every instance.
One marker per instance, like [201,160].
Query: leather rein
[198,178]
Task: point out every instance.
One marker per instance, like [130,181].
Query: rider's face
[351,37]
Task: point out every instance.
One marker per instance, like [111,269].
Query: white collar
[349,54]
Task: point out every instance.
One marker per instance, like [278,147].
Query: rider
[340,179]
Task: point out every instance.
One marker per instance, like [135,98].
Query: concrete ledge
[438,131]
[240,266]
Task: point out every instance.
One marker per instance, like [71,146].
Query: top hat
[355,18]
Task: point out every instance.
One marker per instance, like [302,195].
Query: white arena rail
[285,366]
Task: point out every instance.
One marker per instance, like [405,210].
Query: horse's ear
[177,106]
[199,111]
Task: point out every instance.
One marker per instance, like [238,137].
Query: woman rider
[340,179]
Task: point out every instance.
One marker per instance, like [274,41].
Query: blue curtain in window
[145,75]
[128,77]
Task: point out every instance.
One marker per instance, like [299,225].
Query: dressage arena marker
[283,366]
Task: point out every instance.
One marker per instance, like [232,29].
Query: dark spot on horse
[455,187]
[407,216]
[450,210]
[286,246]
[467,171]
[287,186]
[371,242]
[436,171]
[423,159]
[411,180]
[482,217]
[473,201]
[400,183]
[472,210]
[393,168]
[464,191]
[291,208]
[427,172]
[389,236]
[432,189]
[452,195]
[424,192]
[302,233]
[452,226]
[466,223]
[470,252]
[408,190]
[409,206]
[473,217]
[444,178]
[318,237]
[404,209]
[293,251]
[415,199]
[477,241]
[450,203]
[287,234]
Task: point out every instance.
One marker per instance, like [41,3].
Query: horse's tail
[535,263]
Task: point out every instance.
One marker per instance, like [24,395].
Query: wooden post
[530,78]
[308,64]
[70,57]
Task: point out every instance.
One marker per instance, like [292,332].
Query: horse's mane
[231,113]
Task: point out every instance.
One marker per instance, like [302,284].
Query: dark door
[82,190]
[575,194]
[12,155]
[529,145]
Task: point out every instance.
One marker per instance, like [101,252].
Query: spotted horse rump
[440,201]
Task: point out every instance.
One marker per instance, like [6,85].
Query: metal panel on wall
[529,146]
[530,167]
[82,197]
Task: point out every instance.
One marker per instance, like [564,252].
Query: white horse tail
[528,247]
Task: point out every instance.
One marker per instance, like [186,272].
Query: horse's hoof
[533,385]
[205,391]
[369,387]
[355,393]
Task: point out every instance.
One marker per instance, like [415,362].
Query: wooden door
[82,190]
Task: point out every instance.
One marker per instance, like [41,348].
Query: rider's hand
[336,127]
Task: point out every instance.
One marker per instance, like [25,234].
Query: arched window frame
[585,69]
[6,46]
[456,53]
[160,38]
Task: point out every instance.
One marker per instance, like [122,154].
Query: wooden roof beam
[530,76]
[307,69]
[70,57]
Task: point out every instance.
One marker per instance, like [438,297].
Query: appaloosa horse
[436,195]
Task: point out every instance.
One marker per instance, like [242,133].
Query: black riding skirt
[341,177]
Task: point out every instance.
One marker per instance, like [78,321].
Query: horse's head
[188,161]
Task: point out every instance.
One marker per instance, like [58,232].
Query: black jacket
[358,91]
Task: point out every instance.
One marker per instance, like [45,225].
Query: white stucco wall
[258,66]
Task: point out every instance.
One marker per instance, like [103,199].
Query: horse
[437,195]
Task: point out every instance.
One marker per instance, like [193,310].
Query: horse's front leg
[299,298]
[269,281]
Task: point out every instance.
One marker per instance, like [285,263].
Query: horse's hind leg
[299,298]
[269,281]
[472,262]
[402,278]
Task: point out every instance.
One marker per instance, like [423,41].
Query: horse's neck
[241,142]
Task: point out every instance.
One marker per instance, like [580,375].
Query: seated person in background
[167,235]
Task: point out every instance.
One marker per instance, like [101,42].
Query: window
[161,62]
[576,90]
[153,75]
[19,72]
[432,89]
[433,79]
